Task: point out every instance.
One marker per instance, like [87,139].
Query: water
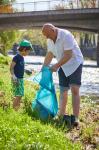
[90,75]
[90,81]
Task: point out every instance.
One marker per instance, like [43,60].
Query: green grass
[22,131]
[4,60]
[19,131]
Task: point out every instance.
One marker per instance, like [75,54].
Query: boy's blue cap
[26,43]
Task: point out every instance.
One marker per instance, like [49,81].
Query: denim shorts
[73,79]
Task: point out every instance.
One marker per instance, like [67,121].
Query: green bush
[4,60]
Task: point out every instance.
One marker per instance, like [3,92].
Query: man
[63,46]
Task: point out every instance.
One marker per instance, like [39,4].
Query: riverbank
[21,130]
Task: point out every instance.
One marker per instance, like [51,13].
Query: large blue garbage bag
[45,102]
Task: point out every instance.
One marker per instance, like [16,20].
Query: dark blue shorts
[73,79]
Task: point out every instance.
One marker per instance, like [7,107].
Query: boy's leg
[18,92]
[16,102]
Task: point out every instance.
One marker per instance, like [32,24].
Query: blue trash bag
[45,102]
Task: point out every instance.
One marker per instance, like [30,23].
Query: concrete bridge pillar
[97,53]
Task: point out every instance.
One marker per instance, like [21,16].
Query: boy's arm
[14,78]
[12,68]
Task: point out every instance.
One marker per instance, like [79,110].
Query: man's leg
[64,87]
[63,102]
[75,100]
[75,83]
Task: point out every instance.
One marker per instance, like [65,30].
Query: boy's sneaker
[74,121]
[67,120]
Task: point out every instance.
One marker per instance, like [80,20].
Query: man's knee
[75,89]
[63,89]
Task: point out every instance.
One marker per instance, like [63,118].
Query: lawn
[22,131]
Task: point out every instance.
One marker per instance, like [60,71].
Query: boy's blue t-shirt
[19,67]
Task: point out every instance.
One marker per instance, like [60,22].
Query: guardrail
[48,5]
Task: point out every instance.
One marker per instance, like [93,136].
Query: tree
[6,6]
[35,36]
[7,39]
[88,4]
[2,2]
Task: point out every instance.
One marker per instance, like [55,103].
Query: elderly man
[62,44]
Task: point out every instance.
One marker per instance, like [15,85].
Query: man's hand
[54,68]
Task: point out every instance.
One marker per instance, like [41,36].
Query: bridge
[77,19]
[86,19]
[62,13]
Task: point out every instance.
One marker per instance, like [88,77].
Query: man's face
[48,34]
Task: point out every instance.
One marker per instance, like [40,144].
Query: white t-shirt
[66,41]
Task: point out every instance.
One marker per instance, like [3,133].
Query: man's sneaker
[74,121]
[67,120]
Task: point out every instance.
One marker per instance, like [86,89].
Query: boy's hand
[14,78]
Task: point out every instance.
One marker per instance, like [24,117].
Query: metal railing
[48,5]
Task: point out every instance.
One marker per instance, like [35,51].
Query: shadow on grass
[56,122]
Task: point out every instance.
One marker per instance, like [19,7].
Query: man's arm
[66,57]
[48,58]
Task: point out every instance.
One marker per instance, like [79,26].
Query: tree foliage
[35,36]
[76,4]
[6,6]
[6,1]
[88,4]
[7,39]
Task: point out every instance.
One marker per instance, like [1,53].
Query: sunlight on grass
[22,131]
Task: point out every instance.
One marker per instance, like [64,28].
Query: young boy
[17,72]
